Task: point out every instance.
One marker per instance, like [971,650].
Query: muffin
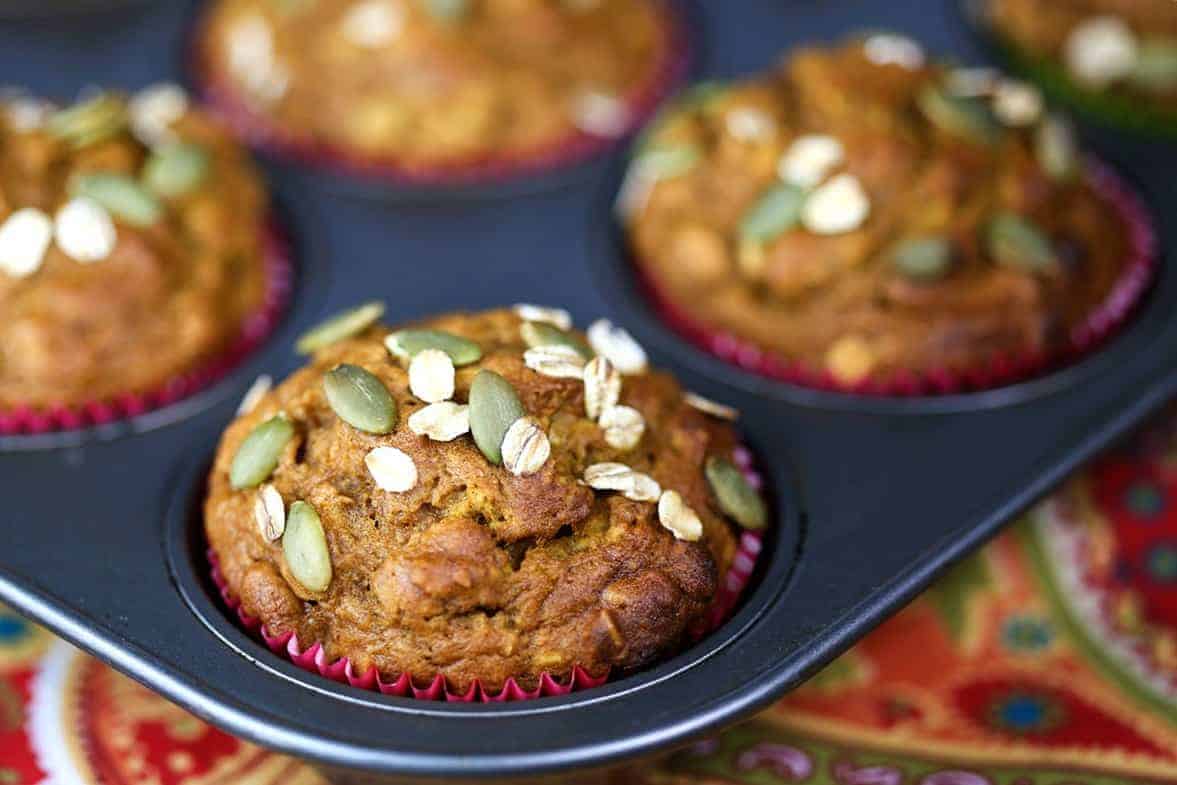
[485,497]
[1121,53]
[438,89]
[132,245]
[862,217]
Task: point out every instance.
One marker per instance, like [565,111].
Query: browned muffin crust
[163,295]
[1124,46]
[834,296]
[468,81]
[476,572]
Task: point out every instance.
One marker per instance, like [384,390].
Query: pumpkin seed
[924,258]
[448,11]
[737,498]
[1156,66]
[339,327]
[89,122]
[122,197]
[305,547]
[1015,241]
[258,455]
[776,211]
[664,162]
[360,399]
[406,344]
[494,407]
[175,169]
[960,115]
[543,334]
[1056,148]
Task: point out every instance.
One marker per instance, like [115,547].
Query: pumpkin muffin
[1126,49]
[869,215]
[131,245]
[437,88]
[482,496]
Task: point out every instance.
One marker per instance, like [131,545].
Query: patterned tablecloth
[1050,658]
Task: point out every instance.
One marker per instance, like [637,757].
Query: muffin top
[536,508]
[863,211]
[130,245]
[1128,46]
[439,82]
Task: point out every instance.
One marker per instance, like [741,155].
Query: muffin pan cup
[487,176]
[873,496]
[1109,107]
[1118,306]
[312,657]
[33,427]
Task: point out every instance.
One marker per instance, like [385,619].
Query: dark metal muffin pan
[101,539]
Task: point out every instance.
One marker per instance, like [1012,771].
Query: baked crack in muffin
[438,86]
[1126,48]
[485,496]
[131,245]
[869,215]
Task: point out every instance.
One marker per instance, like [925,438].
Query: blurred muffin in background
[866,215]
[438,88]
[1121,48]
[131,245]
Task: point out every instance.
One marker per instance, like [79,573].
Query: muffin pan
[872,496]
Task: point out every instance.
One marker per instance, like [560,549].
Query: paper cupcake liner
[29,420]
[313,658]
[219,92]
[1126,111]
[999,370]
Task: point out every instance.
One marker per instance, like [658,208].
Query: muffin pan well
[873,497]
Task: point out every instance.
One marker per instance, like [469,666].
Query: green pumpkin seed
[776,211]
[924,259]
[737,498]
[305,546]
[544,334]
[122,197]
[89,122]
[494,406]
[174,170]
[448,11]
[339,327]
[258,455]
[1015,241]
[1156,66]
[966,116]
[667,162]
[406,344]
[1057,149]
[360,399]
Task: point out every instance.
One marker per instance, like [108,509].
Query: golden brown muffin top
[434,82]
[1123,45]
[530,510]
[130,244]
[865,211]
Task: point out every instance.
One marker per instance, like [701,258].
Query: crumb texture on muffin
[496,534]
[131,245]
[865,211]
[425,83]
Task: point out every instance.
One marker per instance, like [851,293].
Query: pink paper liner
[1000,370]
[219,93]
[313,658]
[32,420]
